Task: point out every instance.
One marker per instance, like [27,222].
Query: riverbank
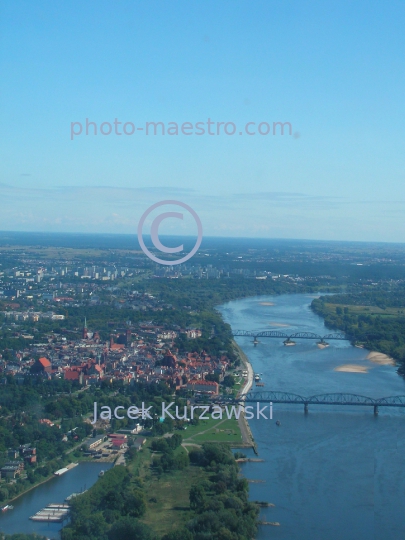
[68,467]
[380,358]
[245,360]
[386,322]
[77,480]
[247,437]
[29,489]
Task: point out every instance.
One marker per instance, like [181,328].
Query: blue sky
[334,70]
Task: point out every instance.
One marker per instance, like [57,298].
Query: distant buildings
[136,354]
[203,386]
[43,365]
[46,422]
[11,469]
[94,441]
[139,442]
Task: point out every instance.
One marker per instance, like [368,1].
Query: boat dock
[53,513]
[61,471]
[65,469]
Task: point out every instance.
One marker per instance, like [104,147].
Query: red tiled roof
[71,375]
[117,346]
[44,362]
[205,383]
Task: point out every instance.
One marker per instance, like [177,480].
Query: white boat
[61,471]
[101,473]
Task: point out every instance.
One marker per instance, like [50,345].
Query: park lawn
[227,432]
[191,430]
[171,490]
[214,431]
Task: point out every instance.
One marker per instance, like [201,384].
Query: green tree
[229,381]
[182,534]
[128,528]
[197,497]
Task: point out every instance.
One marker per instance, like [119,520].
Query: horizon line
[207,237]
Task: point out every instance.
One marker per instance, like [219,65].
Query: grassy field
[140,465]
[171,491]
[365,310]
[55,253]
[213,431]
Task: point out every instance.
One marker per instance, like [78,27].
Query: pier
[53,513]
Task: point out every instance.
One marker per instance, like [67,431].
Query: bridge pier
[289,342]
[375,410]
[306,408]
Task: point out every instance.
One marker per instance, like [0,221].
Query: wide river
[54,491]
[338,472]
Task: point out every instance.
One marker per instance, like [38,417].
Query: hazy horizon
[192,238]
[332,71]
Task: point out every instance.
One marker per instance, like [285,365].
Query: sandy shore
[267,303]
[279,324]
[352,368]
[380,358]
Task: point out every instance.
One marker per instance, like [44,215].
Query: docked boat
[61,471]
[257,377]
[101,473]
[278,423]
[7,507]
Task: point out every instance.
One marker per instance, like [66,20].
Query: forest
[218,505]
[375,320]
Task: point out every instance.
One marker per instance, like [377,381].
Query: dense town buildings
[89,360]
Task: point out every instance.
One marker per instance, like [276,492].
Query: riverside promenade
[247,437]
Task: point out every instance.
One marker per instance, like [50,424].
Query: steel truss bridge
[321,399]
[289,338]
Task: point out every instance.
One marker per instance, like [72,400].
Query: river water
[336,473]
[54,491]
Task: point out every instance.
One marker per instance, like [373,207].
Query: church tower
[85,336]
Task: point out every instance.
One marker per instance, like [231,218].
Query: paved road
[243,425]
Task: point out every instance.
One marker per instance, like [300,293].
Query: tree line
[375,332]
